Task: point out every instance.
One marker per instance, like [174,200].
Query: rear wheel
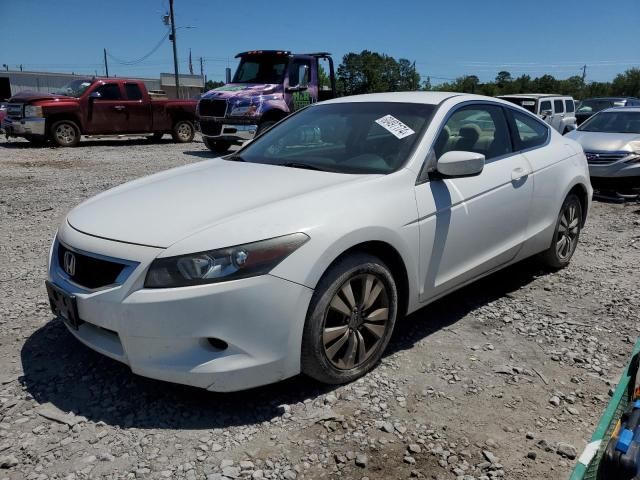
[566,234]
[350,320]
[183,131]
[217,146]
[65,133]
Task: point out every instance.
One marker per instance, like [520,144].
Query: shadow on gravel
[60,370]
[111,142]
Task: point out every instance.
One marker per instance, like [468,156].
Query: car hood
[239,90]
[164,208]
[606,142]
[27,97]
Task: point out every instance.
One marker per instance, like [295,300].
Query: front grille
[212,108]
[604,158]
[15,110]
[210,127]
[90,272]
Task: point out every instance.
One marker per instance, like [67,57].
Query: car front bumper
[164,333]
[24,126]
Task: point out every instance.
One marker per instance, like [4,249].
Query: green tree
[627,83]
[210,85]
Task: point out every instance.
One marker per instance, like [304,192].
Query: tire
[65,133]
[183,131]
[565,234]
[264,126]
[353,345]
[217,146]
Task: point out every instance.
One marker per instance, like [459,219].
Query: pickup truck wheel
[217,146]
[183,131]
[65,133]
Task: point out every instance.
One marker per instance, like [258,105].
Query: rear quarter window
[529,132]
[569,106]
[558,106]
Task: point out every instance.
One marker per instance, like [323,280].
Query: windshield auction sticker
[395,126]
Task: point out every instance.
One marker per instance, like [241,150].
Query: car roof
[429,98]
[610,98]
[533,95]
[622,109]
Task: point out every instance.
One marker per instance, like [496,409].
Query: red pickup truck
[97,107]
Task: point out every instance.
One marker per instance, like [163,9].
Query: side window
[299,73]
[529,131]
[569,106]
[558,106]
[545,105]
[476,128]
[109,91]
[133,91]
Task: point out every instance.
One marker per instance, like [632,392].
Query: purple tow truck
[267,86]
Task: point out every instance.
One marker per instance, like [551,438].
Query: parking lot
[505,378]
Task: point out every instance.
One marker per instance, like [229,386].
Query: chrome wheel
[183,130]
[65,134]
[355,321]
[568,231]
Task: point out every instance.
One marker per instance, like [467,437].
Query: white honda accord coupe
[299,252]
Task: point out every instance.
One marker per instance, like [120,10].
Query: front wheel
[65,133]
[350,320]
[565,235]
[183,131]
[217,146]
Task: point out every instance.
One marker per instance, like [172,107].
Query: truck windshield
[613,122]
[75,88]
[355,137]
[261,69]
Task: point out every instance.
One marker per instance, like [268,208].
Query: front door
[106,110]
[471,225]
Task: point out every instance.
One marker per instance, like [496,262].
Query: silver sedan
[611,142]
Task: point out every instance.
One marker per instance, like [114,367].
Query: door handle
[119,108]
[518,173]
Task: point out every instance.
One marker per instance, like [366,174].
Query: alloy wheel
[65,133]
[568,230]
[184,131]
[355,321]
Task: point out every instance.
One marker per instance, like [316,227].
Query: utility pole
[584,78]
[175,49]
[106,66]
[204,88]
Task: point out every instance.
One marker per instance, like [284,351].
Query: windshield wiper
[306,166]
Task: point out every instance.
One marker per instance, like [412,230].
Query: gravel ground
[503,379]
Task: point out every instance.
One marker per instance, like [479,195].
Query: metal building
[12,82]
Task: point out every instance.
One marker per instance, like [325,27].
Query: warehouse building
[12,82]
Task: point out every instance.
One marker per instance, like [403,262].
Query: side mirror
[546,113]
[95,95]
[457,163]
[296,88]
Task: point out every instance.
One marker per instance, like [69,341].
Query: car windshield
[613,122]
[75,88]
[526,103]
[593,106]
[261,69]
[357,137]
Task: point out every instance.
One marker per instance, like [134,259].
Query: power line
[144,57]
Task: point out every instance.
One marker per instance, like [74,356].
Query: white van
[559,111]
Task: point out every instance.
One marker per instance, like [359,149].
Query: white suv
[559,111]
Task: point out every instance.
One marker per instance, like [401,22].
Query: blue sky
[446,39]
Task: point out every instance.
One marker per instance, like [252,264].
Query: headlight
[32,111]
[244,110]
[241,261]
